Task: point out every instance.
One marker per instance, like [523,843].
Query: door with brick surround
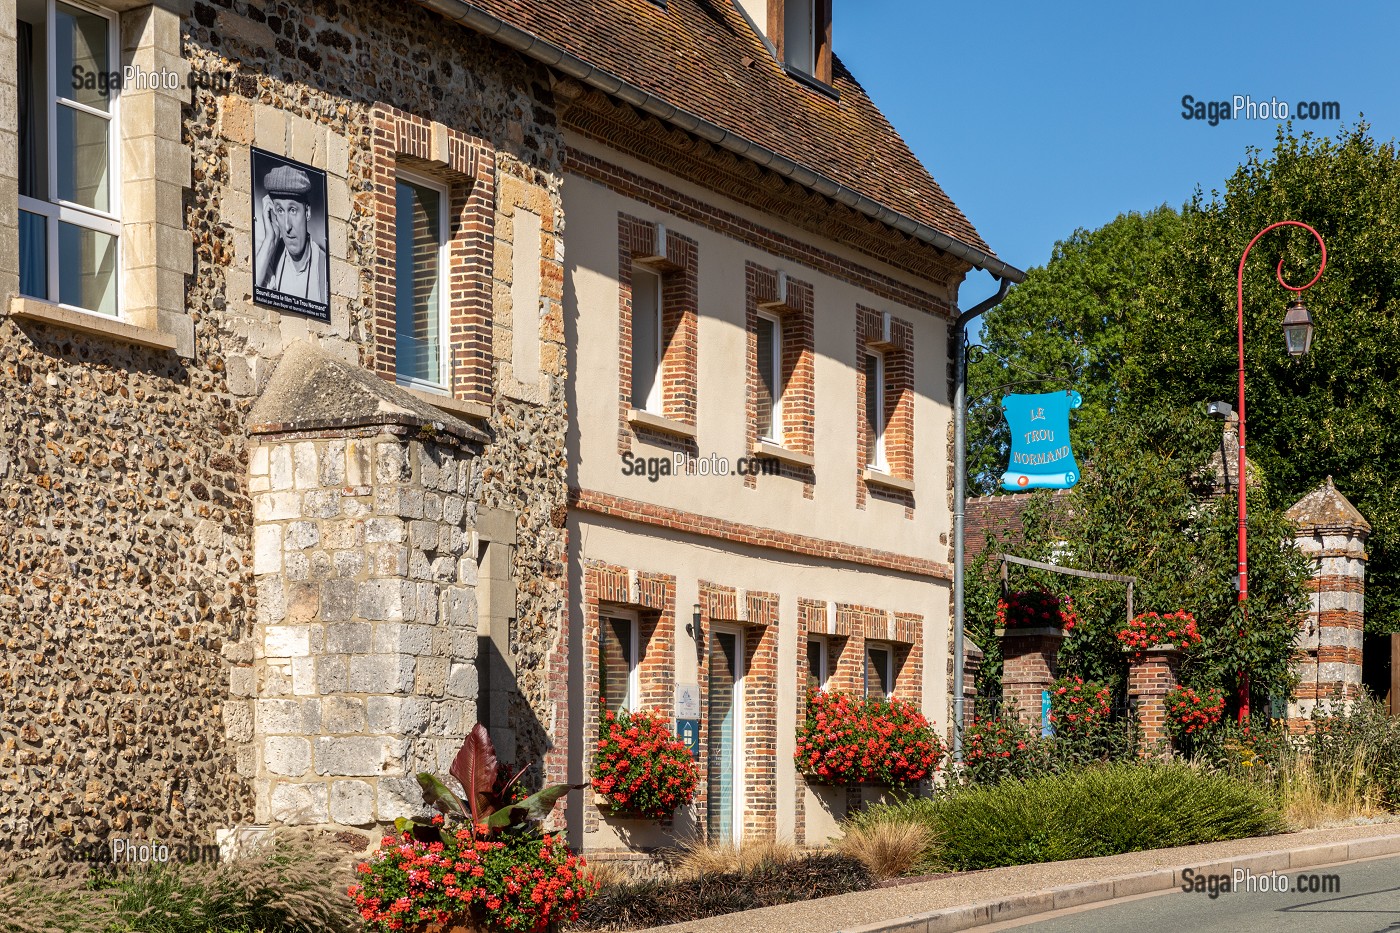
[724,722]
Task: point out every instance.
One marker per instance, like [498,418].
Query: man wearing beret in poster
[288,261]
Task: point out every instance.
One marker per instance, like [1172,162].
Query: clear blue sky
[1039,118]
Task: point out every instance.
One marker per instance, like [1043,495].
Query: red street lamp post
[1298,333]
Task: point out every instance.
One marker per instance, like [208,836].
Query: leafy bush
[653,903]
[1091,812]
[640,765]
[848,740]
[1039,607]
[1191,712]
[998,748]
[1078,708]
[1151,630]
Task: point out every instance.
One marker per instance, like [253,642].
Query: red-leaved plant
[1034,609]
[1153,630]
[491,865]
[641,767]
[847,740]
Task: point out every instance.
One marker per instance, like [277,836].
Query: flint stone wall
[127,585]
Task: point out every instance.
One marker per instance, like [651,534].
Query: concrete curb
[966,917]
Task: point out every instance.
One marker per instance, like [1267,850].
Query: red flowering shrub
[1078,708]
[1190,711]
[641,767]
[847,740]
[511,880]
[998,748]
[1150,630]
[1034,609]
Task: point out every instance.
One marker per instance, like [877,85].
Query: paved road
[1368,901]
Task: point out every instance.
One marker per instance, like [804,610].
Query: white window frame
[56,210]
[634,661]
[776,436]
[823,675]
[655,400]
[889,665]
[444,385]
[878,461]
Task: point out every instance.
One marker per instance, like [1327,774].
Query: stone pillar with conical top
[1333,534]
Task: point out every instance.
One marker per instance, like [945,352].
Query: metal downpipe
[959,341]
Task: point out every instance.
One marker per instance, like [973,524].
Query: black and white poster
[290,267]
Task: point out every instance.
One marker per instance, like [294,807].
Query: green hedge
[1098,811]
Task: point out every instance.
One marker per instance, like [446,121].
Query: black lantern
[1297,328]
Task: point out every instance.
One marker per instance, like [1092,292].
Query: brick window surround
[676,259]
[652,597]
[757,615]
[893,338]
[466,166]
[791,302]
[821,12]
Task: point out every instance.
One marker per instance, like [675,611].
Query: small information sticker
[687,701]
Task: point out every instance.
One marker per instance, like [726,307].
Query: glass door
[724,725]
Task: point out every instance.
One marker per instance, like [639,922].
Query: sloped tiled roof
[691,54]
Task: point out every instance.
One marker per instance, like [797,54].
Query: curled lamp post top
[1278,272]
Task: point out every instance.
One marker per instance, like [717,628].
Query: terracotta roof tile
[690,53]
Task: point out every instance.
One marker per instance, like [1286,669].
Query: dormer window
[801,29]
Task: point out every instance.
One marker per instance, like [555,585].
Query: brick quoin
[797,381]
[405,139]
[680,291]
[653,598]
[898,351]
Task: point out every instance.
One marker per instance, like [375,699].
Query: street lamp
[1298,334]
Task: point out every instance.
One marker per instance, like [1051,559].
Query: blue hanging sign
[1041,457]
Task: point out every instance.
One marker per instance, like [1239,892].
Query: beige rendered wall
[776,503]
[592,301]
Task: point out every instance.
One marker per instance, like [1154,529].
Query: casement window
[873,366]
[69,222]
[619,650]
[769,408]
[817,661]
[648,351]
[421,351]
[879,670]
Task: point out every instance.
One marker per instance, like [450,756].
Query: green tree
[1144,509]
[1331,412]
[1065,327]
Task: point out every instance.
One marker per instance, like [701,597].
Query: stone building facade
[213,616]
[259,563]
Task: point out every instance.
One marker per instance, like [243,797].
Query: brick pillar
[1152,674]
[1333,534]
[972,666]
[1030,663]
